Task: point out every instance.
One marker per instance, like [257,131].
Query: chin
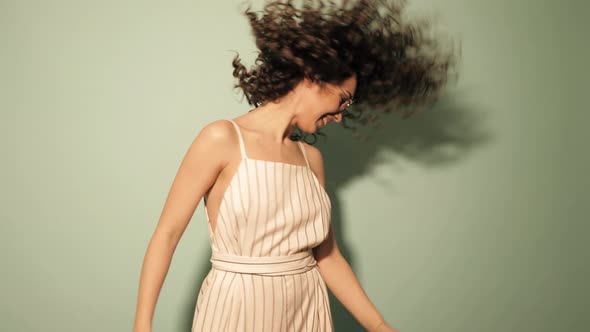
[317,125]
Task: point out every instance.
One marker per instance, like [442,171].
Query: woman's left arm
[346,287]
[336,271]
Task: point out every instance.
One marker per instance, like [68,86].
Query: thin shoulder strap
[304,153]
[242,147]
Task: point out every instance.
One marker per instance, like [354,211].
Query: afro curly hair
[398,67]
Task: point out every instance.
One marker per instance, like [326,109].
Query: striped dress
[264,276]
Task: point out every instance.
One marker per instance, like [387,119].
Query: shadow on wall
[443,134]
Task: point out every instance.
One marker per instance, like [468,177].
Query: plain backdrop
[471,216]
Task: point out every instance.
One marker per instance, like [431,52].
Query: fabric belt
[266,265]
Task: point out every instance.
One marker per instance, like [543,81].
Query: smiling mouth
[326,118]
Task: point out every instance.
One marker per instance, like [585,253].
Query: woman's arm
[198,171]
[338,274]
[155,267]
[343,283]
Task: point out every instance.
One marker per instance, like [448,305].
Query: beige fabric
[264,276]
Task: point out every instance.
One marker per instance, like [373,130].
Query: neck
[275,121]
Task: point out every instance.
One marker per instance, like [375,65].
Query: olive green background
[471,216]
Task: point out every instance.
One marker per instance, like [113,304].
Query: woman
[273,249]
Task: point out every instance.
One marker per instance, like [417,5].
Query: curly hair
[395,62]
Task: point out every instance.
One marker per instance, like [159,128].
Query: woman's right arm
[204,160]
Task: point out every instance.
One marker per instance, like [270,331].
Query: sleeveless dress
[263,274]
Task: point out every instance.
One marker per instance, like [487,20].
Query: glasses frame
[345,99]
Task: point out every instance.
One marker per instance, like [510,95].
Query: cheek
[325,108]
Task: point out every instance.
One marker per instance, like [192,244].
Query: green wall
[471,216]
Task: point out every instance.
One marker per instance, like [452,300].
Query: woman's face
[326,104]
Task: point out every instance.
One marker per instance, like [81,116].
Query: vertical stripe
[275,214]
[285,241]
[326,202]
[314,210]
[302,238]
[310,308]
[235,309]
[284,306]
[248,200]
[292,308]
[288,225]
[259,316]
[272,305]
[263,309]
[248,297]
[242,307]
[304,302]
[325,209]
[257,203]
[305,220]
[275,209]
[267,196]
[265,216]
[294,222]
[243,214]
[254,307]
[229,310]
[321,211]
[298,291]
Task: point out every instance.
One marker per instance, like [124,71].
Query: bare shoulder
[219,131]
[215,143]
[316,161]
